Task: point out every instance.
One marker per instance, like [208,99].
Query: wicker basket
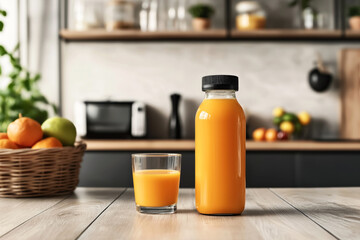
[40,172]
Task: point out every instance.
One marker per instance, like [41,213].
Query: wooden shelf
[209,34]
[286,34]
[189,145]
[352,34]
[139,35]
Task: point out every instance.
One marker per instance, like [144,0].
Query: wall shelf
[139,35]
[287,34]
[215,34]
[352,34]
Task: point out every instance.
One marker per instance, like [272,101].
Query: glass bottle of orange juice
[220,148]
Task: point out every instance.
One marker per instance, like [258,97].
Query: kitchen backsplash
[271,74]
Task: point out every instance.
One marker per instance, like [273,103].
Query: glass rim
[156,155]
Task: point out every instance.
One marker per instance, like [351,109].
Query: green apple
[61,128]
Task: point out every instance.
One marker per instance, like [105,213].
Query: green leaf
[26,84]
[40,98]
[14,74]
[201,10]
[1,26]
[55,108]
[3,12]
[2,50]
[15,62]
[11,86]
[16,48]
[0,70]
[37,77]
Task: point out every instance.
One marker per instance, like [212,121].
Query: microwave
[109,119]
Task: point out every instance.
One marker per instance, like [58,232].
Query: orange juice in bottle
[220,148]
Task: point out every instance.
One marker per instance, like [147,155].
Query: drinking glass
[156,178]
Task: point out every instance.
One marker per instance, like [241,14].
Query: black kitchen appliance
[109,119]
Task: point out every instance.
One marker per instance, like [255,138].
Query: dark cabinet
[263,169]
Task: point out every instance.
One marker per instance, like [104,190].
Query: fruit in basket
[304,118]
[24,131]
[60,128]
[49,142]
[259,134]
[287,127]
[271,135]
[6,143]
[3,136]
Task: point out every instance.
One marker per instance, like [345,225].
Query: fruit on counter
[259,134]
[289,122]
[49,142]
[289,117]
[281,135]
[60,128]
[297,127]
[271,135]
[277,121]
[3,136]
[24,131]
[278,112]
[287,127]
[304,118]
[6,143]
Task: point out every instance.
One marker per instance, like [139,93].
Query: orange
[6,143]
[49,142]
[271,135]
[259,134]
[3,136]
[24,131]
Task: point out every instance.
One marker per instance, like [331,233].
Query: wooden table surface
[109,213]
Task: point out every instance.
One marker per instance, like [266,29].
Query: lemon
[278,112]
[304,118]
[287,127]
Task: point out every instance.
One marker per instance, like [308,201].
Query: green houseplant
[201,14]
[354,17]
[19,91]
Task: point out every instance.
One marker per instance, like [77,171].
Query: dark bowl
[319,81]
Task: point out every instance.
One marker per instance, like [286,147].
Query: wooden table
[109,213]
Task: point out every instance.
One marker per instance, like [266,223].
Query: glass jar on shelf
[250,16]
[88,14]
[120,14]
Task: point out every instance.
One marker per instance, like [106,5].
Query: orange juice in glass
[156,178]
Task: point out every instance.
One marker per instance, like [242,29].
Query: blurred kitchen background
[124,50]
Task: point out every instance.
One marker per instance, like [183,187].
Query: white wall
[271,74]
[9,36]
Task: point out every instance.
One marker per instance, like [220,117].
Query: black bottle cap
[220,82]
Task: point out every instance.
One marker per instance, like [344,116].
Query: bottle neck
[220,94]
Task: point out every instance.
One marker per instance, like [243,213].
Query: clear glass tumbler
[156,178]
